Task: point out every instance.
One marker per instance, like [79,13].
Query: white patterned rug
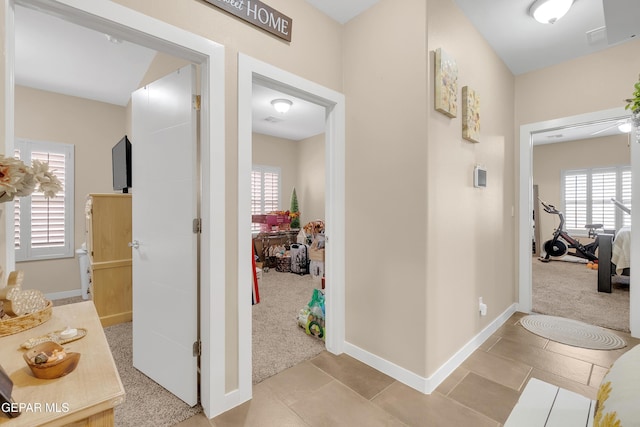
[572,332]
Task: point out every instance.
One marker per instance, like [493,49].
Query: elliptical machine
[559,245]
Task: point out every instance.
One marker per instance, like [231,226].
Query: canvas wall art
[470,115]
[446,82]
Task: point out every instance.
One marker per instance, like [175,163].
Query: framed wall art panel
[446,82]
[470,115]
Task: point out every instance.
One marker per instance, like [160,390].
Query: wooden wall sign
[258,14]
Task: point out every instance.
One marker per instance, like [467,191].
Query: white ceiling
[526,45]
[304,119]
[57,56]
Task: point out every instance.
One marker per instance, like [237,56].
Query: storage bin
[283,264]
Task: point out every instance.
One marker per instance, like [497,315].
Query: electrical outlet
[482,307]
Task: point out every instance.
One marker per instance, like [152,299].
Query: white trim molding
[422,384]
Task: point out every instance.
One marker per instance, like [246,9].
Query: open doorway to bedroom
[527,203]
[288,217]
[579,170]
[252,72]
[126,24]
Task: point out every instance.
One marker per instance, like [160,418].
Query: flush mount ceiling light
[281,105]
[113,39]
[549,11]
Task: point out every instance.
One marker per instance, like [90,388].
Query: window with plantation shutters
[44,227]
[575,199]
[265,191]
[603,189]
[587,195]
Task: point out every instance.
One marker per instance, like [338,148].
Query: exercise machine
[561,242]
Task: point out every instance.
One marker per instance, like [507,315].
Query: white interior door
[165,203]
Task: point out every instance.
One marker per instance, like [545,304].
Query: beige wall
[595,82]
[93,128]
[471,232]
[549,160]
[282,153]
[302,165]
[409,168]
[310,185]
[385,79]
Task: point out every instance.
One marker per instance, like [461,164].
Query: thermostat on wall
[479,177]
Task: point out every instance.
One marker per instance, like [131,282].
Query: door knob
[135,244]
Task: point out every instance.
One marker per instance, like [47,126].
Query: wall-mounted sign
[259,14]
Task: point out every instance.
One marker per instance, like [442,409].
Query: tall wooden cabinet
[108,228]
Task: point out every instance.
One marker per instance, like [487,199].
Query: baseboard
[417,382]
[396,372]
[64,294]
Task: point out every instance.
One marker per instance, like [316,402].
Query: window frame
[619,171]
[263,169]
[25,251]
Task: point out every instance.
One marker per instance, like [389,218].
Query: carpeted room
[569,289]
[601,165]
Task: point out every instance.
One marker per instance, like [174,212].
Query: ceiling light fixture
[281,105]
[549,11]
[625,127]
[113,39]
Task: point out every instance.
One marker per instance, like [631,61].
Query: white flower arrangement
[20,180]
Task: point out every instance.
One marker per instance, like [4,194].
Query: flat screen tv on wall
[121,165]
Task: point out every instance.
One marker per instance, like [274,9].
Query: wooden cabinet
[85,397]
[108,228]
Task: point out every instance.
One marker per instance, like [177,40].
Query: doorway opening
[127,24]
[526,202]
[288,156]
[253,72]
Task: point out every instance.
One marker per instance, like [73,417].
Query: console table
[84,397]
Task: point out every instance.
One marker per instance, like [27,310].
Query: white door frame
[525,204]
[125,23]
[251,70]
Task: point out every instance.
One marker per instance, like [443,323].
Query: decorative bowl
[54,367]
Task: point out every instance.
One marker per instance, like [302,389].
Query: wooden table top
[94,386]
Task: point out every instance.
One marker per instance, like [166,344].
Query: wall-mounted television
[121,165]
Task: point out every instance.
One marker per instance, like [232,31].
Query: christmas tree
[293,212]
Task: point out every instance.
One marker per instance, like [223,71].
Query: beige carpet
[146,402]
[570,290]
[278,341]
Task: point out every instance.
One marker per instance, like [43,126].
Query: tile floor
[338,391]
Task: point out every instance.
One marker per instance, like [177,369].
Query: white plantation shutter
[265,191]
[271,191]
[603,188]
[575,199]
[625,195]
[256,192]
[587,195]
[44,227]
